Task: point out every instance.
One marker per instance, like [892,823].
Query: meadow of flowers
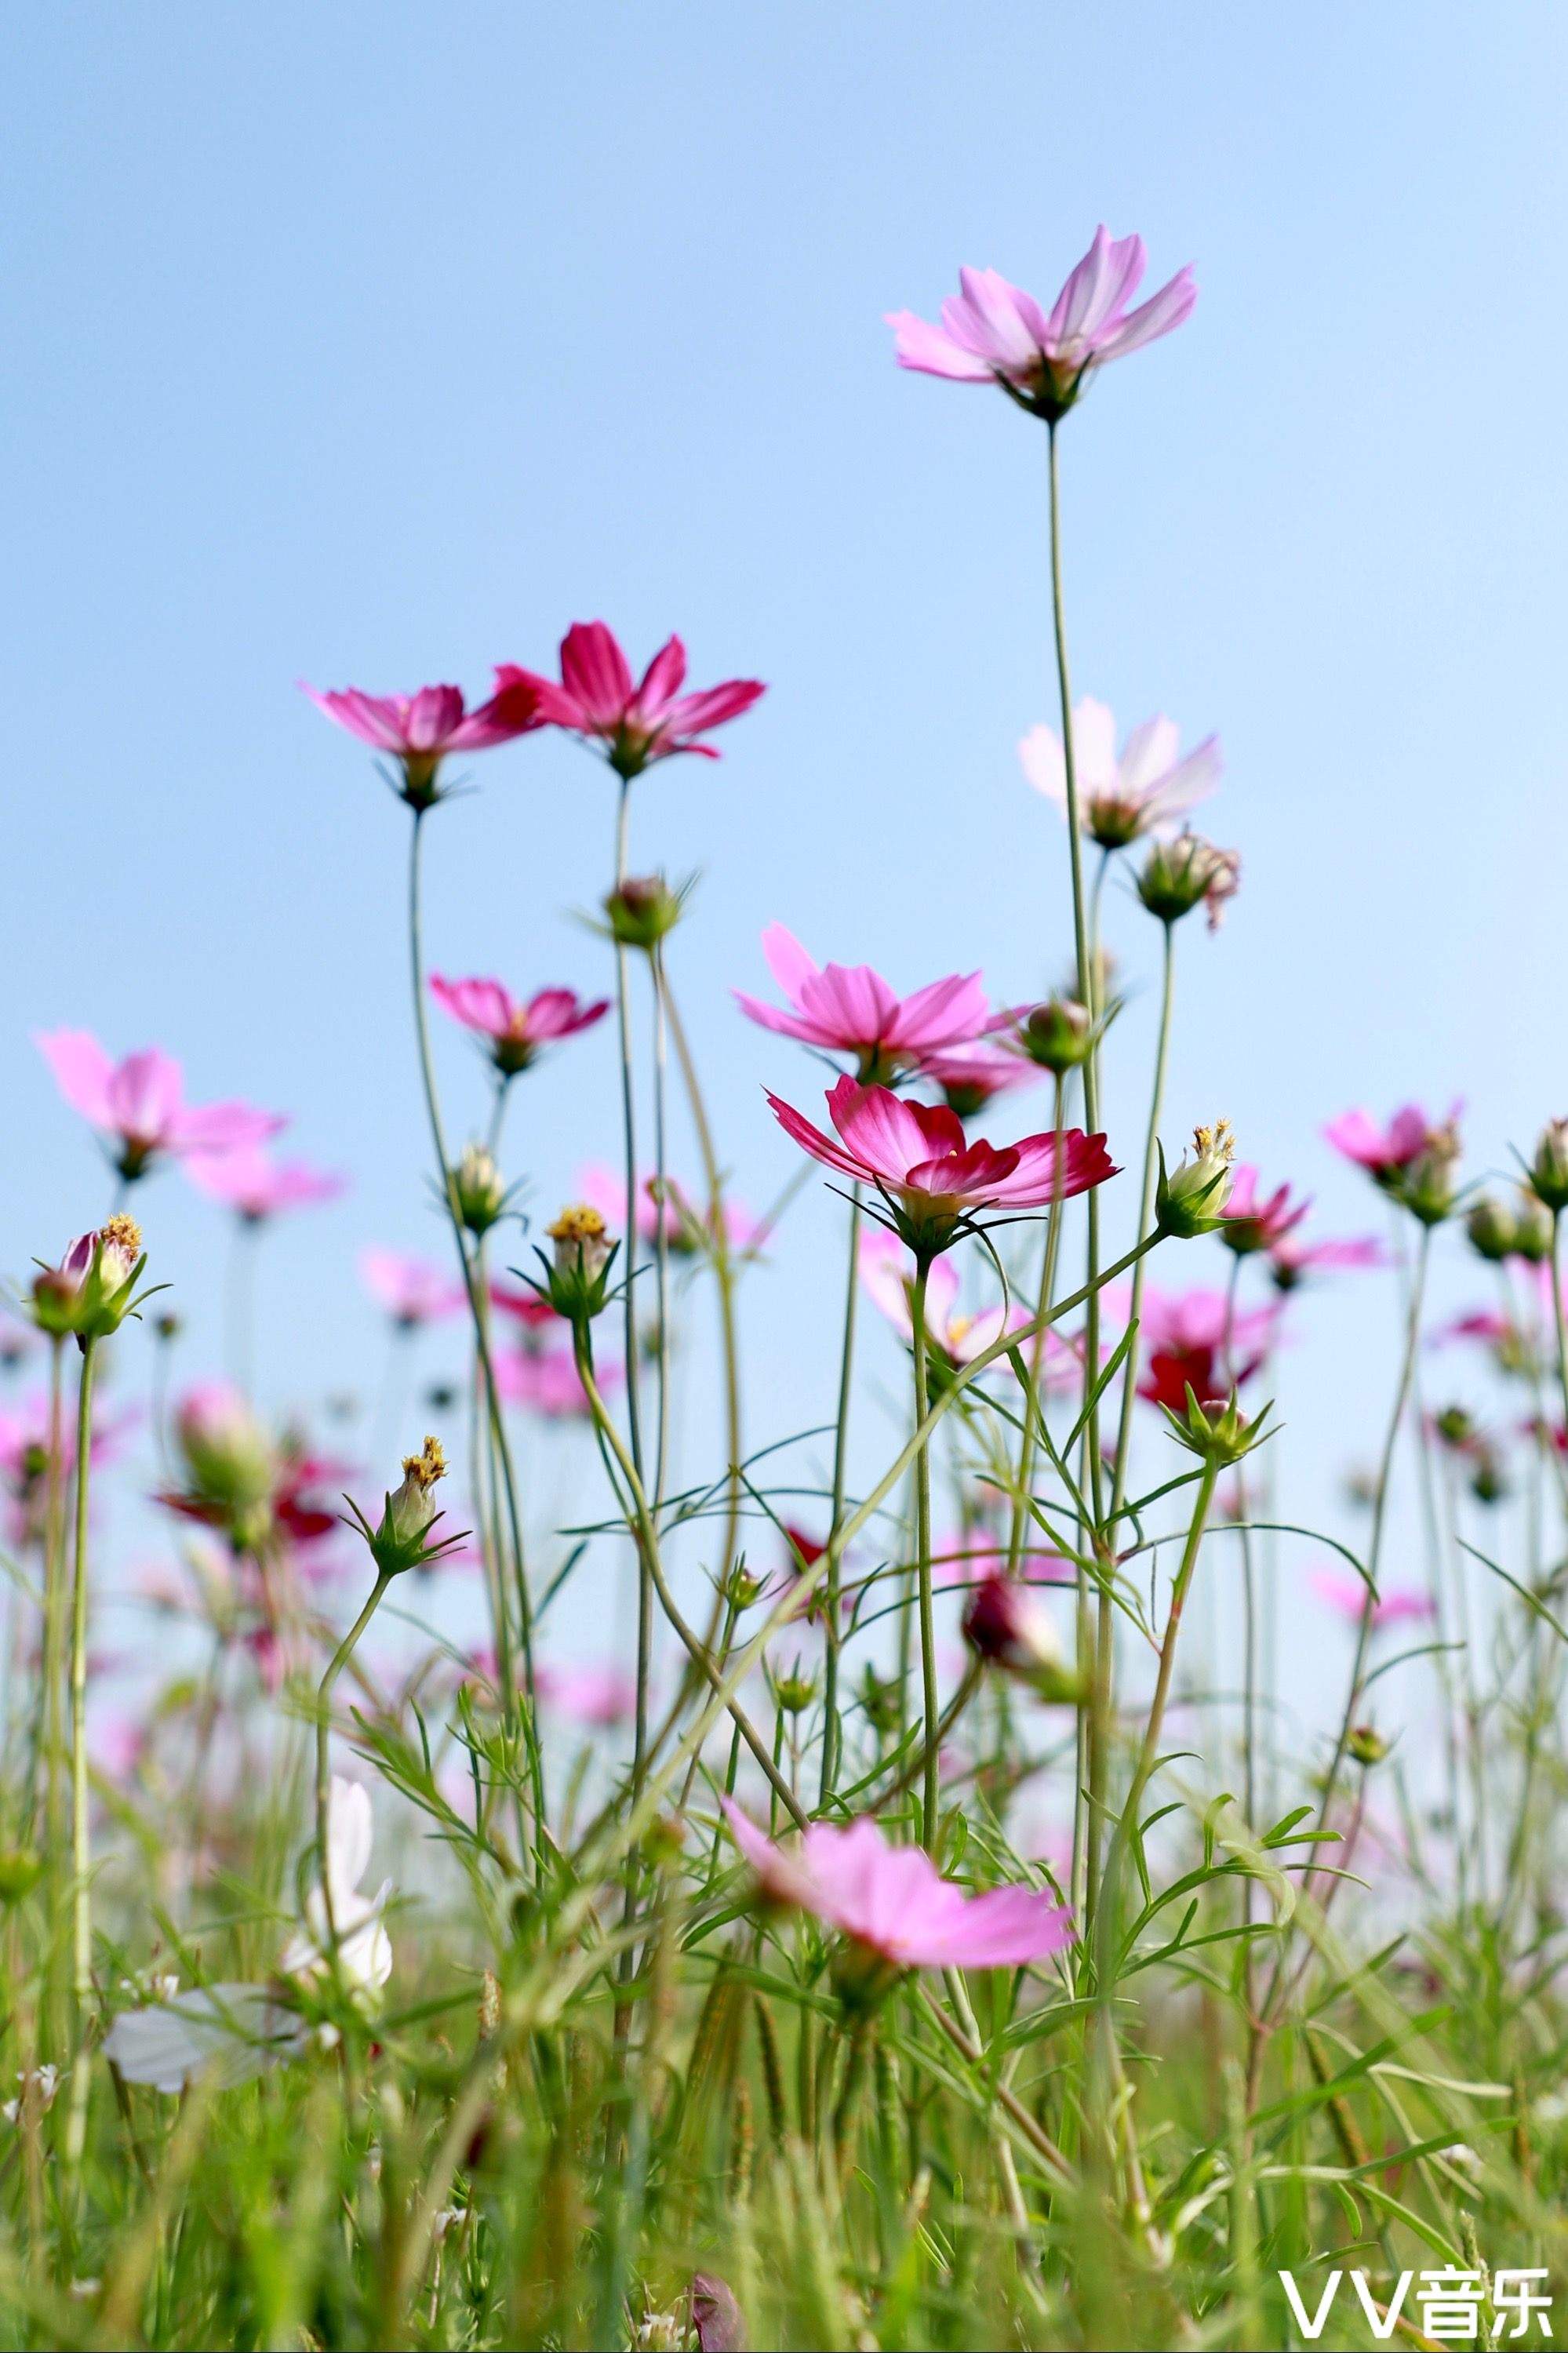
[917,1919]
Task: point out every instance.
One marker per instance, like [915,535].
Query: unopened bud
[1217,1431]
[1191,1198]
[1179,875]
[1059,1035]
[1492,1229]
[90,1292]
[480,1187]
[1532,1235]
[1009,1626]
[644,908]
[580,1263]
[1425,1184]
[794,1692]
[879,1696]
[402,1538]
[1549,1169]
[1366,1745]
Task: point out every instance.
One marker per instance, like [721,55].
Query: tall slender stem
[340,1659]
[1145,1214]
[81,1851]
[628,1137]
[831,1724]
[930,1734]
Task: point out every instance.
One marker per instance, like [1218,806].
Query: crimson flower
[637,722]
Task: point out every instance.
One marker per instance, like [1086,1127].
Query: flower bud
[583,1252]
[1181,874]
[794,1692]
[1549,1169]
[1191,1198]
[401,1541]
[1487,1481]
[90,1291]
[1218,1432]
[1455,1427]
[230,1466]
[1425,1184]
[480,1187]
[1367,1746]
[879,1698]
[644,908]
[1532,1235]
[1059,1035]
[1492,1229]
[1008,1625]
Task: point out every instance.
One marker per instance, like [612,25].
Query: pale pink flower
[410,1289]
[895,1904]
[596,1697]
[992,332]
[683,1222]
[139,1102]
[545,1381]
[1146,789]
[1291,1262]
[934,1181]
[518,1030]
[257,1186]
[1395,1605]
[851,1009]
[971,1077]
[1383,1152]
[887,1273]
[420,730]
[636,723]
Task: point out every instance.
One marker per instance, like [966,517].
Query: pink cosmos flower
[971,1077]
[1183,1337]
[545,1381]
[637,723]
[851,1009]
[887,1274]
[683,1221]
[139,1102]
[596,1697]
[257,1186]
[517,1031]
[933,1181]
[1347,1594]
[420,730]
[1149,788]
[893,1904]
[410,1289]
[1383,1152]
[1251,1223]
[1291,1262]
[992,332]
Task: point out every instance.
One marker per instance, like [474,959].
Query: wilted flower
[851,1009]
[420,730]
[636,724]
[140,1104]
[1193,1198]
[1179,875]
[993,332]
[1147,790]
[516,1031]
[934,1182]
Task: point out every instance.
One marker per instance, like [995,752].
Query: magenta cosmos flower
[1250,1222]
[993,332]
[637,722]
[418,731]
[850,1009]
[893,1904]
[1292,1263]
[517,1031]
[258,1187]
[1384,1151]
[934,1182]
[1147,787]
[140,1104]
[410,1289]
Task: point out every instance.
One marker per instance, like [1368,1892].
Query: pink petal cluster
[1147,788]
[1291,1261]
[545,1381]
[1251,1222]
[421,729]
[598,1696]
[676,1213]
[928,1174]
[517,1029]
[410,1289]
[895,1904]
[1383,1152]
[257,1186]
[851,1009]
[1395,1604]
[993,332]
[637,722]
[139,1102]
[887,1273]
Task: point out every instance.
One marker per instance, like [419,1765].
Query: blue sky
[376,344]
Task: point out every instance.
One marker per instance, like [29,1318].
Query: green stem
[931,1825]
[81,1851]
[831,1724]
[1145,1217]
[340,1659]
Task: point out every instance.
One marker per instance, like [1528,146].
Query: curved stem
[81,1851]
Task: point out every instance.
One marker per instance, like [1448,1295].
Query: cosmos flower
[1395,1604]
[419,730]
[1146,789]
[517,1031]
[887,1272]
[410,1289]
[636,723]
[851,1009]
[140,1104]
[257,1186]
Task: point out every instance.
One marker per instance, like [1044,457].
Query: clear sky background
[375,345]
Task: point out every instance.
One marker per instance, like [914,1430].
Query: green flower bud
[1366,1746]
[479,1188]
[1179,875]
[644,908]
[1218,1432]
[1191,1198]
[401,1540]
[1549,1169]
[1533,1236]
[1492,1229]
[580,1269]
[1059,1035]
[1426,1185]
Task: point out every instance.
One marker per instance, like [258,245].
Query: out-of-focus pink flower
[1291,1262]
[410,1289]
[420,730]
[933,1180]
[525,1307]
[1184,1337]
[684,1224]
[636,723]
[1148,788]
[895,1904]
[1252,1223]
[139,1102]
[992,332]
[1383,1152]
[598,1696]
[851,1009]
[1395,1605]
[517,1031]
[887,1273]
[971,1077]
[258,1187]
[117,1744]
[547,1381]
[25,1437]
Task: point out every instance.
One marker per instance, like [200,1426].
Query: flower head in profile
[421,730]
[893,1904]
[410,1289]
[402,1538]
[1292,1261]
[546,1380]
[851,1009]
[1189,872]
[1193,1198]
[515,1031]
[636,721]
[94,1288]
[597,1697]
[934,1184]
[1413,1159]
[1250,1222]
[1147,788]
[257,1186]
[137,1105]
[993,332]
[1007,1624]
[1193,1339]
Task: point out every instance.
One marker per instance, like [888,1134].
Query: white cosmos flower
[1147,788]
[364,1948]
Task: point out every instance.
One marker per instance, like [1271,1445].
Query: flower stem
[340,1659]
[831,1726]
[82,1853]
[931,1732]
